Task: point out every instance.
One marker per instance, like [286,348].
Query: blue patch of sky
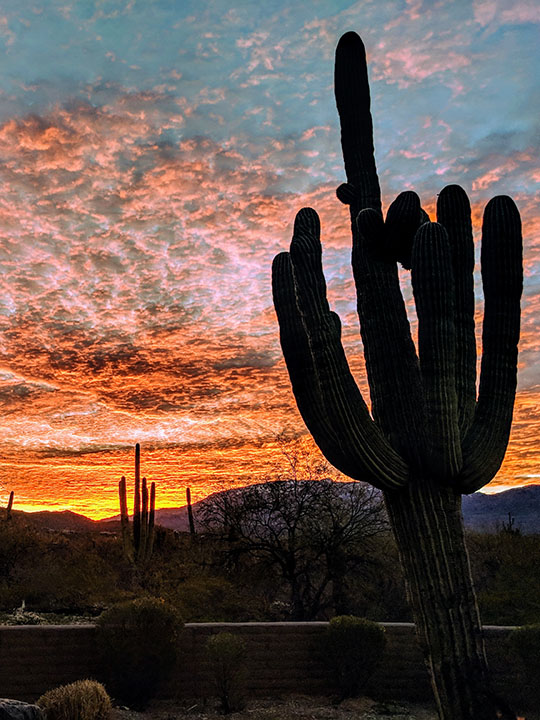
[58,53]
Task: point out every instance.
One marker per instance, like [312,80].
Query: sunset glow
[153,156]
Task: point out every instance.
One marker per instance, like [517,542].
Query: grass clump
[81,700]
[352,648]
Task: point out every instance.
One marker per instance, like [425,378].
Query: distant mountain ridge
[481,512]
[485,512]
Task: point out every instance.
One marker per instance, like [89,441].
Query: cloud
[152,161]
[407,65]
[500,12]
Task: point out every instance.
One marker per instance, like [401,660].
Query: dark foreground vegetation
[223,577]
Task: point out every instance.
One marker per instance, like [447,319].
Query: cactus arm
[302,369]
[369,453]
[299,360]
[502,279]
[454,212]
[353,104]
[404,217]
[391,361]
[305,379]
[433,288]
[144,521]
[151,522]
[124,520]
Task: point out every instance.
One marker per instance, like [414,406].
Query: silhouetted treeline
[217,577]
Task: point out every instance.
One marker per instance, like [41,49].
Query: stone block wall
[283,658]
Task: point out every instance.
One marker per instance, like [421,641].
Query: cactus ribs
[430,438]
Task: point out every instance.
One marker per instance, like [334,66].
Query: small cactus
[138,545]
[190,512]
[9,505]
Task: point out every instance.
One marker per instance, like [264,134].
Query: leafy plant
[137,641]
[352,648]
[81,700]
[227,655]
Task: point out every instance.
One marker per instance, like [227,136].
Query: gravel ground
[291,708]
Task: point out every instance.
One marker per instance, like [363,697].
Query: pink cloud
[405,65]
[136,291]
[507,166]
[498,12]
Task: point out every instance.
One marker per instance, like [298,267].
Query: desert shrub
[56,572]
[506,572]
[227,656]
[137,641]
[524,643]
[352,647]
[81,700]
[214,599]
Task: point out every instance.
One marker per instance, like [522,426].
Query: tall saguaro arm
[328,397]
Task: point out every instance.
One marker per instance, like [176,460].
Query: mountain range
[482,512]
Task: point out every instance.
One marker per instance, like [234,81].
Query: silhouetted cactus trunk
[10,505]
[427,524]
[190,512]
[137,500]
[429,438]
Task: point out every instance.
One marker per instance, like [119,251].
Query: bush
[352,647]
[81,700]
[524,642]
[137,641]
[212,599]
[227,656]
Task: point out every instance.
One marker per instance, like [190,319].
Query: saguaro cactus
[10,505]
[138,546]
[190,512]
[430,438]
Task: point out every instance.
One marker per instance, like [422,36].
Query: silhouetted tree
[314,531]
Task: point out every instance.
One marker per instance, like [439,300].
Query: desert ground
[291,708]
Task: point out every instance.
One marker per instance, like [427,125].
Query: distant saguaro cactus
[190,512]
[430,438]
[10,505]
[139,544]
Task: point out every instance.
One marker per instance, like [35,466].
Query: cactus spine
[429,438]
[138,545]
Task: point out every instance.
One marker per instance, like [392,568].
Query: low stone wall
[283,658]
[36,658]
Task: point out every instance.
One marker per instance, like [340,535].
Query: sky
[153,155]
